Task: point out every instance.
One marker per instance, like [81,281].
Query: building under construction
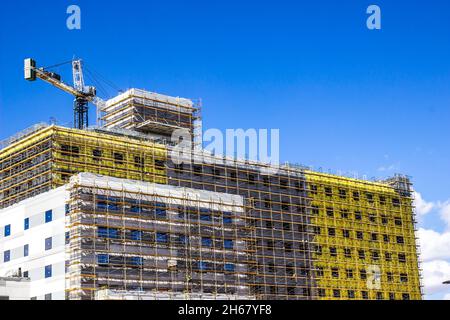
[139,224]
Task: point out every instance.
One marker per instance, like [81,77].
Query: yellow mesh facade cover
[47,159]
[364,243]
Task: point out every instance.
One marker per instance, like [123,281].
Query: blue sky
[344,97]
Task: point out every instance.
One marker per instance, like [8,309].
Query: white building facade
[32,241]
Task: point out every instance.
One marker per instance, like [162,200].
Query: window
[104,232]
[227,219]
[315,210]
[400,240]
[269,224]
[136,235]
[70,151]
[26,250]
[319,272]
[137,261]
[26,274]
[26,224]
[233,175]
[386,238]
[48,244]
[217,172]
[344,214]
[363,274]
[335,272]
[48,216]
[321,292]
[361,254]
[379,295]
[269,244]
[372,218]
[388,256]
[283,184]
[7,256]
[331,232]
[139,162]
[401,257]
[375,255]
[405,296]
[162,237]
[48,271]
[97,154]
[318,249]
[346,233]
[384,220]
[403,278]
[206,242]
[285,206]
[67,237]
[228,244]
[314,189]
[398,221]
[317,230]
[342,193]
[333,252]
[328,191]
[356,196]
[7,230]
[351,294]
[390,277]
[183,239]
[229,267]
[349,273]
[160,210]
[118,158]
[336,293]
[382,200]
[330,212]
[288,247]
[197,170]
[374,236]
[369,197]
[103,259]
[359,235]
[391,296]
[365,295]
[67,209]
[358,215]
[286,226]
[347,252]
[160,164]
[396,202]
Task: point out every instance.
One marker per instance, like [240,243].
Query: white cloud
[434,245]
[434,274]
[445,213]
[422,207]
[447,296]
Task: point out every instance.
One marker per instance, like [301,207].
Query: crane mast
[82,94]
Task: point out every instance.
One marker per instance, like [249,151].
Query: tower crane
[83,94]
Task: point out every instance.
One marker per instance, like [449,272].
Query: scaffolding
[152,113]
[313,235]
[156,241]
[49,157]
[365,244]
